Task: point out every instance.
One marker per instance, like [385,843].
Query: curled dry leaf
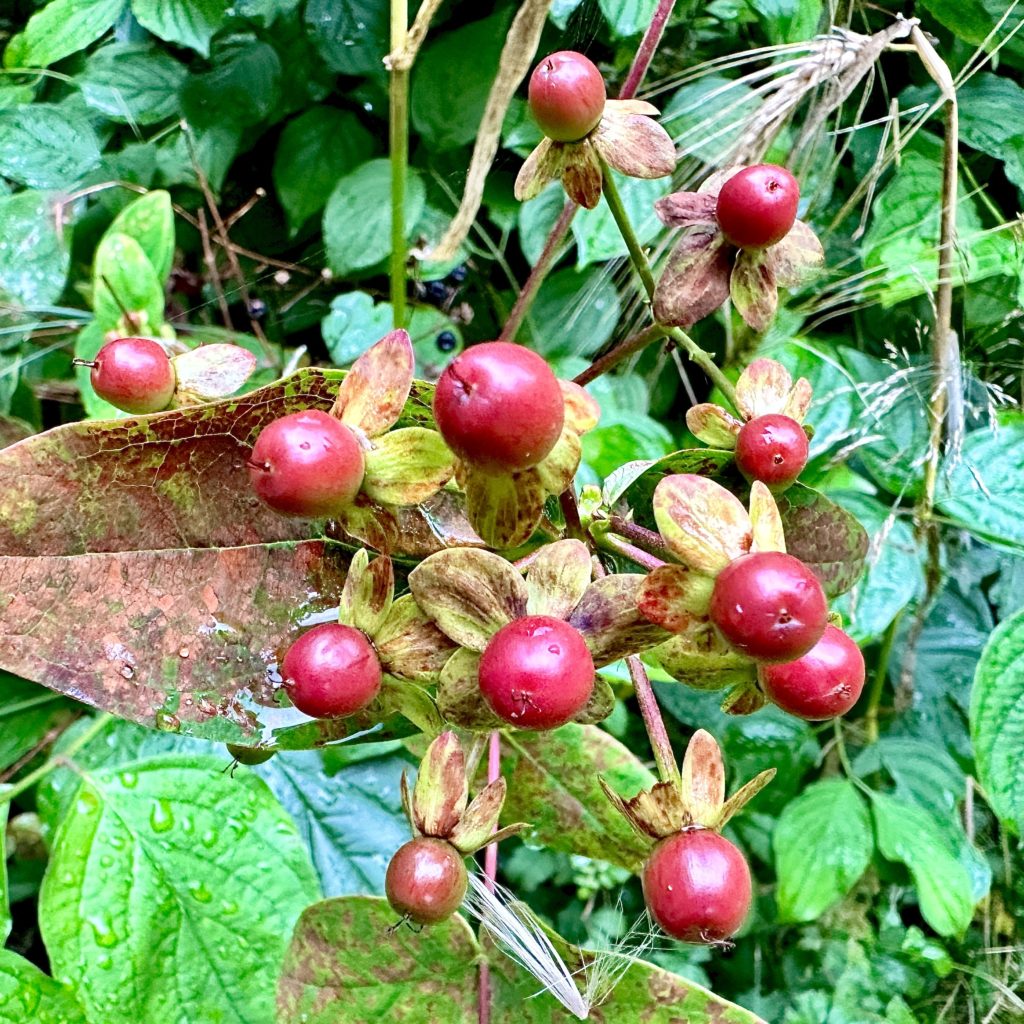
[410,644]
[211,372]
[753,288]
[695,281]
[674,596]
[713,425]
[478,826]
[469,593]
[407,466]
[655,812]
[743,796]
[765,520]
[368,594]
[441,793]
[375,389]
[557,578]
[704,525]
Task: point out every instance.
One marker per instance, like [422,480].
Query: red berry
[697,886]
[499,407]
[426,880]
[134,374]
[567,96]
[769,606]
[331,671]
[772,449]
[757,206]
[306,464]
[826,682]
[536,672]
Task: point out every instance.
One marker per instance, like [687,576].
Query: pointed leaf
[541,167]
[765,521]
[687,210]
[368,594]
[372,524]
[695,281]
[477,825]
[600,705]
[796,258]
[636,481]
[673,596]
[210,372]
[557,578]
[581,173]
[582,411]
[505,510]
[799,401]
[125,280]
[763,388]
[700,658]
[374,391]
[609,621]
[469,593]
[713,425]
[441,793]
[403,697]
[407,466]
[410,644]
[655,813]
[703,780]
[559,467]
[459,697]
[743,796]
[634,145]
[703,524]
[753,289]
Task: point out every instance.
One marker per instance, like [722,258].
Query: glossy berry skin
[757,206]
[567,96]
[250,755]
[426,880]
[769,606]
[772,449]
[827,681]
[499,407]
[536,672]
[697,886]
[133,374]
[306,464]
[331,671]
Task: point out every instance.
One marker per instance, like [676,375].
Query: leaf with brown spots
[374,392]
[673,596]
[703,780]
[409,644]
[369,592]
[753,289]
[344,964]
[700,658]
[458,694]
[695,281]
[557,578]
[441,793]
[610,622]
[210,372]
[505,510]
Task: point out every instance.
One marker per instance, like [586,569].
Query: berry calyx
[827,681]
[697,886]
[306,464]
[769,606]
[567,96]
[426,880]
[250,755]
[499,407]
[331,671]
[134,374]
[773,449]
[536,672]
[757,206]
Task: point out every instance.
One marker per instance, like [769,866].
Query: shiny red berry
[331,671]
[536,672]
[426,880]
[769,606]
[499,407]
[697,886]
[567,96]
[306,464]
[772,449]
[827,681]
[757,206]
[134,374]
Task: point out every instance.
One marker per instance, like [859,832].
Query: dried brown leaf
[687,210]
[375,389]
[703,780]
[695,281]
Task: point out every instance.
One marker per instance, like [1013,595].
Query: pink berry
[134,374]
[757,206]
[772,449]
[426,880]
[567,96]
[306,464]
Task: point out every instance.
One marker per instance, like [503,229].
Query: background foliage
[886,853]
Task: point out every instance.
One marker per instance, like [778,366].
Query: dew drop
[161,817]
[199,892]
[103,931]
[129,780]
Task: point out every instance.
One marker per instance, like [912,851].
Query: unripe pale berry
[426,880]
[306,464]
[134,374]
[697,886]
[250,755]
[536,672]
[331,671]
[757,206]
[499,407]
[825,682]
[773,449]
[769,606]
[567,96]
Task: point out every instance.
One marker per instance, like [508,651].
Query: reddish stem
[648,540]
[490,873]
[645,53]
[668,770]
[618,546]
[633,344]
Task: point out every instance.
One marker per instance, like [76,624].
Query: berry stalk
[398,130]
[490,874]
[668,770]
[618,546]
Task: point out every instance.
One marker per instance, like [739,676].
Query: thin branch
[398,128]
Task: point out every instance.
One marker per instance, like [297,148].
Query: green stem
[619,546]
[643,269]
[28,781]
[878,680]
[399,143]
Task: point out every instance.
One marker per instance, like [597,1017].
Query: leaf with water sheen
[26,994]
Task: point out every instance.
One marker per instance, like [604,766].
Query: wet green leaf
[26,994]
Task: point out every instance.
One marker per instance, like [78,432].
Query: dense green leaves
[351,35]
[191,23]
[26,994]
[34,258]
[823,844]
[173,854]
[45,146]
[60,28]
[133,82]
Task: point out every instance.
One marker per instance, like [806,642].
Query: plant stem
[399,145]
[28,781]
[643,269]
[631,345]
[878,680]
[618,546]
[490,874]
[648,540]
[645,52]
[668,770]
